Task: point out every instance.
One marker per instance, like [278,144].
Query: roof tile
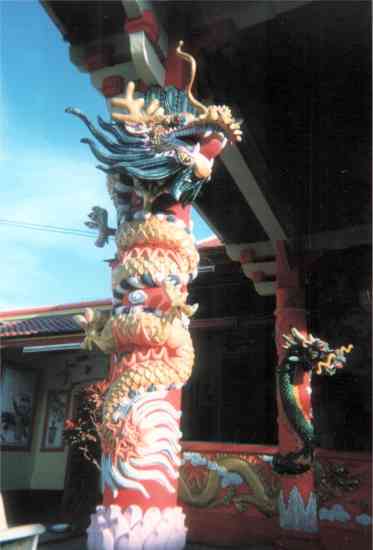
[43,325]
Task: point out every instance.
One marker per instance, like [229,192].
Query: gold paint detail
[262,492]
[154,120]
[97,327]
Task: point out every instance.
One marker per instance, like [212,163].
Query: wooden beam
[250,189]
[145,59]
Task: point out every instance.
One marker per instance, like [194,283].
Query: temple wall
[48,467]
[34,480]
[244,506]
[16,469]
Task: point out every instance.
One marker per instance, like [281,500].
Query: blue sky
[47,176]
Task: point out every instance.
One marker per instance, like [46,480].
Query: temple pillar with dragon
[161,150]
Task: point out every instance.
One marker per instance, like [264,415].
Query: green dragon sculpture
[312,355]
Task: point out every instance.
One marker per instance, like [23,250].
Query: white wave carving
[296,515]
[156,423]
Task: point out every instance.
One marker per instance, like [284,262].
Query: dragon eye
[180,119]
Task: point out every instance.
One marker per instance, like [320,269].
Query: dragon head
[195,138]
[314,353]
[165,141]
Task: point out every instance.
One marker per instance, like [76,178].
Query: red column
[297,502]
[152,360]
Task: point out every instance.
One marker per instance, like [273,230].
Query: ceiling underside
[302,83]
[300,79]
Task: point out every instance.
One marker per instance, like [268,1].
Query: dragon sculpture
[312,355]
[159,152]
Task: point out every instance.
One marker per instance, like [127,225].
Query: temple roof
[299,74]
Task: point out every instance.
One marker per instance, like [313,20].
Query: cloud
[45,267]
[3,126]
[227,479]
[196,459]
[364,519]
[335,513]
[48,187]
[51,190]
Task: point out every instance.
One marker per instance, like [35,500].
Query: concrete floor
[79,544]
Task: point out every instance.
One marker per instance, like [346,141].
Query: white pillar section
[135,8]
[145,59]
[247,184]
[255,264]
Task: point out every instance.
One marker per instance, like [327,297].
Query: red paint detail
[303,482]
[305,395]
[51,309]
[211,147]
[99,57]
[157,298]
[293,540]
[224,526]
[177,70]
[146,23]
[215,35]
[141,86]
[210,242]
[258,276]
[229,448]
[159,497]
[287,275]
[112,85]
[181,212]
[218,527]
[136,201]
[290,312]
[247,256]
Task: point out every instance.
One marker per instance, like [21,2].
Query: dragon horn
[193,66]
[297,335]
[290,340]
[344,349]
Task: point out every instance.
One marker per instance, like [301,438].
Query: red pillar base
[292,540]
